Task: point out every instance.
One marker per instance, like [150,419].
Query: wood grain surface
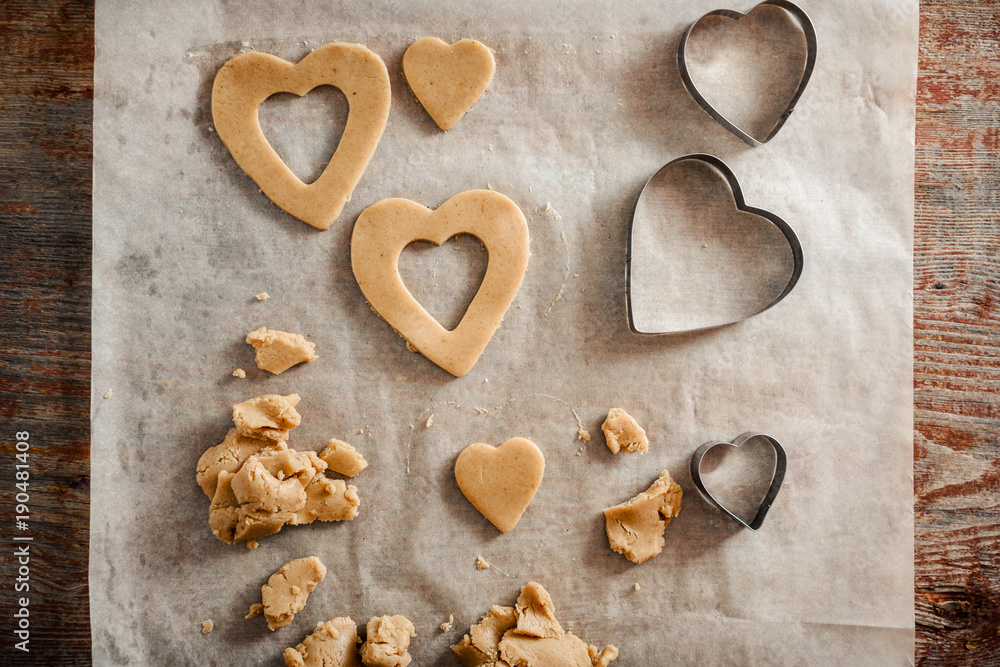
[46,68]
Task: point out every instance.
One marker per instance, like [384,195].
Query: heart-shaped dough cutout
[448,79]
[247,79]
[500,481]
[699,257]
[387,226]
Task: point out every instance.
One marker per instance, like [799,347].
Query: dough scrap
[207,626]
[481,645]
[277,351]
[387,226]
[332,644]
[635,528]
[343,459]
[287,590]
[247,79]
[448,79]
[500,640]
[622,432]
[501,481]
[388,642]
[229,456]
[267,417]
[536,615]
[257,486]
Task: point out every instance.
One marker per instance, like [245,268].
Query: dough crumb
[239,373]
[256,609]
[622,432]
[482,411]
[637,586]
[267,417]
[504,637]
[446,626]
[388,642]
[332,644]
[107,394]
[482,563]
[277,351]
[550,212]
[341,458]
[635,528]
[286,592]
[207,626]
[252,544]
[430,420]
[263,296]
[583,434]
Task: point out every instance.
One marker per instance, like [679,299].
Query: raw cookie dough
[332,644]
[527,635]
[500,481]
[277,351]
[268,417]
[536,615]
[257,486]
[622,432]
[342,458]
[635,528]
[387,226]
[448,79]
[287,590]
[387,642]
[247,79]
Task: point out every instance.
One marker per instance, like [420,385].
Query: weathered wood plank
[957,335]
[45,148]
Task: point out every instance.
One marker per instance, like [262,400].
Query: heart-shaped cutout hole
[247,79]
[387,226]
[501,481]
[444,279]
[742,477]
[699,257]
[749,70]
[305,131]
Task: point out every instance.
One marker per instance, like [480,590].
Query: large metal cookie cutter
[777,477]
[811,46]
[734,186]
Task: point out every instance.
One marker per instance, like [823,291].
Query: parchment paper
[585,106]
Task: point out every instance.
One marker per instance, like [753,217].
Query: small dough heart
[448,79]
[247,79]
[500,481]
[387,226]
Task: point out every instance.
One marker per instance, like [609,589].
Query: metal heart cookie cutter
[804,23]
[642,324]
[777,476]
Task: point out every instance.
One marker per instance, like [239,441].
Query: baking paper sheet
[585,106]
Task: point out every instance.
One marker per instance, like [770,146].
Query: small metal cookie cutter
[808,30]
[777,477]
[734,186]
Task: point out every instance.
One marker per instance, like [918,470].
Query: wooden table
[46,69]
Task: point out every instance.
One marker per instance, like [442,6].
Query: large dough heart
[389,225]
[448,79]
[247,79]
[500,481]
